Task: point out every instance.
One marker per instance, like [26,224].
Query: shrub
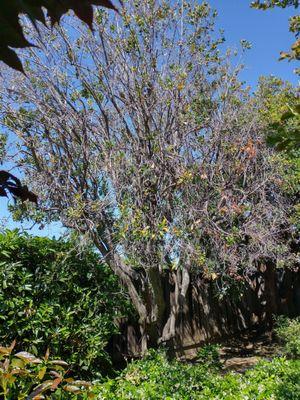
[288,331]
[156,378]
[51,296]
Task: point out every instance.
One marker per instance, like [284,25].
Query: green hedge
[53,296]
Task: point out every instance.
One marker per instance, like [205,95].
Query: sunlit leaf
[7,350]
[28,357]
[40,389]
[72,389]
[59,362]
[42,372]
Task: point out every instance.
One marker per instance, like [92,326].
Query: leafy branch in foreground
[11,31]
[11,184]
[23,375]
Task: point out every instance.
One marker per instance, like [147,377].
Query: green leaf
[287,115]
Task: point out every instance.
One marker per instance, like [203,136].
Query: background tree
[276,99]
[142,137]
[280,111]
[285,132]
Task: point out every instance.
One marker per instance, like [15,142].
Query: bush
[24,376]
[156,378]
[51,296]
[288,331]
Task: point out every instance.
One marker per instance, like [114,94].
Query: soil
[242,353]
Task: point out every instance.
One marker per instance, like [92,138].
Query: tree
[12,35]
[280,111]
[142,137]
[11,32]
[285,132]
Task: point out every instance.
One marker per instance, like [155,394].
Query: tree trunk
[161,296]
[200,316]
[157,295]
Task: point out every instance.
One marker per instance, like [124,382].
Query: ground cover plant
[55,296]
[156,378]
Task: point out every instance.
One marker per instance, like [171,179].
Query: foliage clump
[210,355]
[52,295]
[280,110]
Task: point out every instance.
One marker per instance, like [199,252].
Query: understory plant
[288,331]
[210,355]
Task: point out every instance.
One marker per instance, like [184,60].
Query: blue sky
[266,30]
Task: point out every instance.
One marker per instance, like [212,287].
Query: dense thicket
[54,295]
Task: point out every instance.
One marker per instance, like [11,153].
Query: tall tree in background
[142,137]
[285,133]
